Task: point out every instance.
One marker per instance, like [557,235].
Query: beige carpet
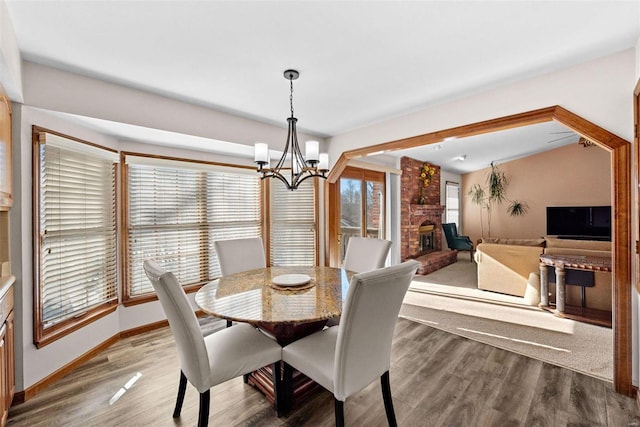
[507,323]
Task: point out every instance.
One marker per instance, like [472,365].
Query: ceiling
[360,62]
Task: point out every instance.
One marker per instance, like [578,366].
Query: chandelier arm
[296,153]
[301,178]
[291,129]
[279,176]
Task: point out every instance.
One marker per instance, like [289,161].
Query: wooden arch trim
[621,160]
[576,123]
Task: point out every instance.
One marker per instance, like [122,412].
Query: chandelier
[292,168]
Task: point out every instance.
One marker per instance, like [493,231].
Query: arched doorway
[620,150]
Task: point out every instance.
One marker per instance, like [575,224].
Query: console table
[560,263]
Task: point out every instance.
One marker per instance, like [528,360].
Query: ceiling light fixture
[316,164]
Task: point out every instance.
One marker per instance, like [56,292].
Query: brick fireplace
[416,219]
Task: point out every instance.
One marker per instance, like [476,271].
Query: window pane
[375,209]
[452,203]
[77,221]
[293,224]
[350,210]
[176,213]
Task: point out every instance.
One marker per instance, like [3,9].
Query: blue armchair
[455,241]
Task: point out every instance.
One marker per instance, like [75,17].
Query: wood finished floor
[437,379]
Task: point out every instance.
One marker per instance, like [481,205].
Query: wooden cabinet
[6,170]
[7,362]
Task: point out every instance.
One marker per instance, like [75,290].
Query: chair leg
[339,409]
[182,388]
[203,416]
[388,403]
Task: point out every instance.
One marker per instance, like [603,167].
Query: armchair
[456,241]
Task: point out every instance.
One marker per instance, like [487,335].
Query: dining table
[287,303]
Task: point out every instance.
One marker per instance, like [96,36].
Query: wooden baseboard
[142,329]
[30,392]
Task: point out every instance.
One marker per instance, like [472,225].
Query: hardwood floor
[437,379]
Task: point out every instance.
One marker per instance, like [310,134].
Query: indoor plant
[494,193]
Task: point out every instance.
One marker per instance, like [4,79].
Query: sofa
[512,267]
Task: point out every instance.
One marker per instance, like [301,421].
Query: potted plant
[493,194]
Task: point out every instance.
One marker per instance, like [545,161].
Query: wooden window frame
[42,337]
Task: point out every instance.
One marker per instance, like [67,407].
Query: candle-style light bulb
[323,164]
[312,150]
[261,153]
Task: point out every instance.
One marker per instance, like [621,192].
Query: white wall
[57,90]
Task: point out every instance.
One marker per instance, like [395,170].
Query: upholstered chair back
[192,353]
[365,333]
[238,255]
[365,254]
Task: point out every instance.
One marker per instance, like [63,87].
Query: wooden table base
[295,384]
[296,388]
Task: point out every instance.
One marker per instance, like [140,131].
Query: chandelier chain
[291,95]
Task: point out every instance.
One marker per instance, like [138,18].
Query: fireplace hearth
[422,231]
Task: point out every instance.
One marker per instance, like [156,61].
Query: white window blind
[292,225]
[77,223]
[177,211]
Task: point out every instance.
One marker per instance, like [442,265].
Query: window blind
[176,213]
[77,223]
[452,203]
[292,225]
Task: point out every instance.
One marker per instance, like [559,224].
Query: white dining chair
[216,358]
[346,358]
[238,255]
[365,254]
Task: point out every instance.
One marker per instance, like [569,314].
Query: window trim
[43,337]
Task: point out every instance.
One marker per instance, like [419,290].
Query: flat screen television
[579,222]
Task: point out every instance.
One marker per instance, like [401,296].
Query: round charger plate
[291,280]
